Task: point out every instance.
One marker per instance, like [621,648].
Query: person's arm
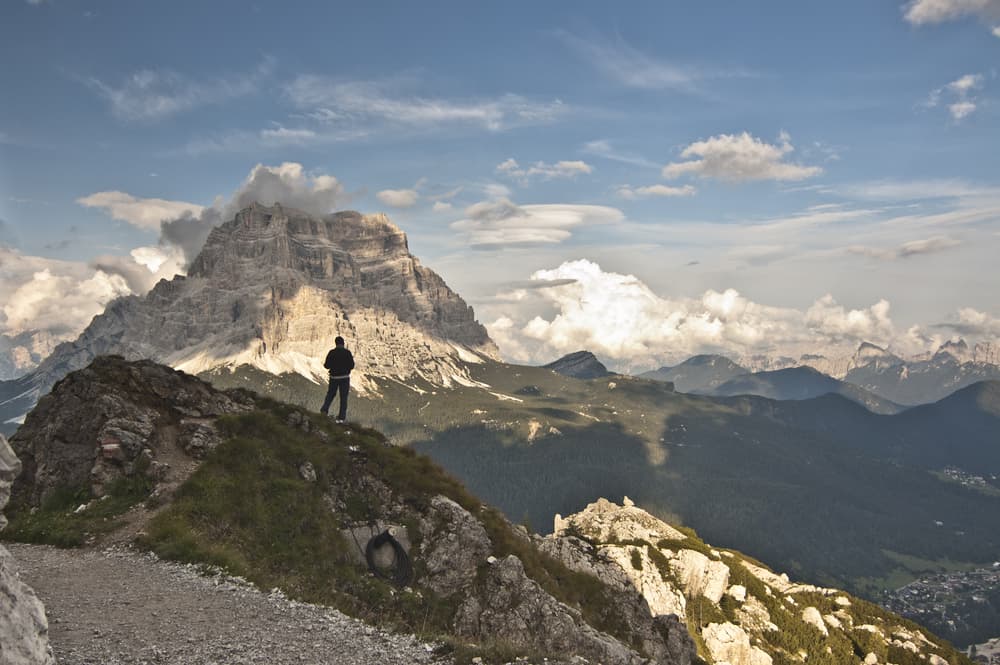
[350,360]
[329,358]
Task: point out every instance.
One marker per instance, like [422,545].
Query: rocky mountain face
[579,365]
[271,289]
[115,420]
[23,625]
[739,612]
[21,353]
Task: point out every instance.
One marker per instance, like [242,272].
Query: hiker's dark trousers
[344,386]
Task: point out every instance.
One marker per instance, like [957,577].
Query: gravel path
[119,606]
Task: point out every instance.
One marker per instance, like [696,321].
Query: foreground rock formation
[23,626]
[738,611]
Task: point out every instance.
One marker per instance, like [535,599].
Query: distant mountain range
[872,376]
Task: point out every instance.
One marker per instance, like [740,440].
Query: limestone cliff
[272,288]
[738,611]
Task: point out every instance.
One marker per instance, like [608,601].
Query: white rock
[871,659]
[812,617]
[832,621]
[700,576]
[843,601]
[738,592]
[606,521]
[661,596]
[727,642]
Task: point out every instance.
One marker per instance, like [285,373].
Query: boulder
[24,630]
[700,576]
[729,643]
[453,546]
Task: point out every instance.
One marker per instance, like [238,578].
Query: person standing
[340,362]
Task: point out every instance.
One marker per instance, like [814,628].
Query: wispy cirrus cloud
[154,94]
[604,148]
[630,192]
[740,157]
[561,169]
[907,249]
[630,67]
[330,101]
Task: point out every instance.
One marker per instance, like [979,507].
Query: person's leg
[330,392]
[345,387]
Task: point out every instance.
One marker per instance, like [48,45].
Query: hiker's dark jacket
[340,362]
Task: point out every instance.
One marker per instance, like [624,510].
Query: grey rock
[116,419]
[307,472]
[513,608]
[23,625]
[454,544]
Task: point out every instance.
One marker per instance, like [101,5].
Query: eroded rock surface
[24,628]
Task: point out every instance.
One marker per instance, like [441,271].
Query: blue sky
[735,177]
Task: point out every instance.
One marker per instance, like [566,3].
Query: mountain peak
[580,365]
[272,288]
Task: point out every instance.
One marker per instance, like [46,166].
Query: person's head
[339,341]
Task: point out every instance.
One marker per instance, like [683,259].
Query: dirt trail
[118,606]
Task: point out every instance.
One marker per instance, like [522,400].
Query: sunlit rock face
[274,286]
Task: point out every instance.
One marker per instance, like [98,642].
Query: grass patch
[57,523]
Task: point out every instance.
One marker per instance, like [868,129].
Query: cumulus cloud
[562,169]
[399,198]
[924,12]
[186,226]
[501,222]
[142,213]
[620,318]
[958,96]
[151,94]
[58,296]
[972,322]
[739,157]
[629,192]
[328,101]
[907,249]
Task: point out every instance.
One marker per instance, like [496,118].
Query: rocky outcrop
[116,419]
[743,623]
[579,365]
[513,608]
[273,287]
[23,626]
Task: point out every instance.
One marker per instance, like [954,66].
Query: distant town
[963,604]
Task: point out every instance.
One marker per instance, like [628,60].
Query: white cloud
[629,192]
[972,322]
[290,185]
[500,222]
[57,296]
[399,198]
[996,31]
[925,12]
[441,206]
[561,169]
[619,318]
[738,158]
[961,92]
[907,249]
[910,190]
[142,213]
[328,101]
[154,94]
